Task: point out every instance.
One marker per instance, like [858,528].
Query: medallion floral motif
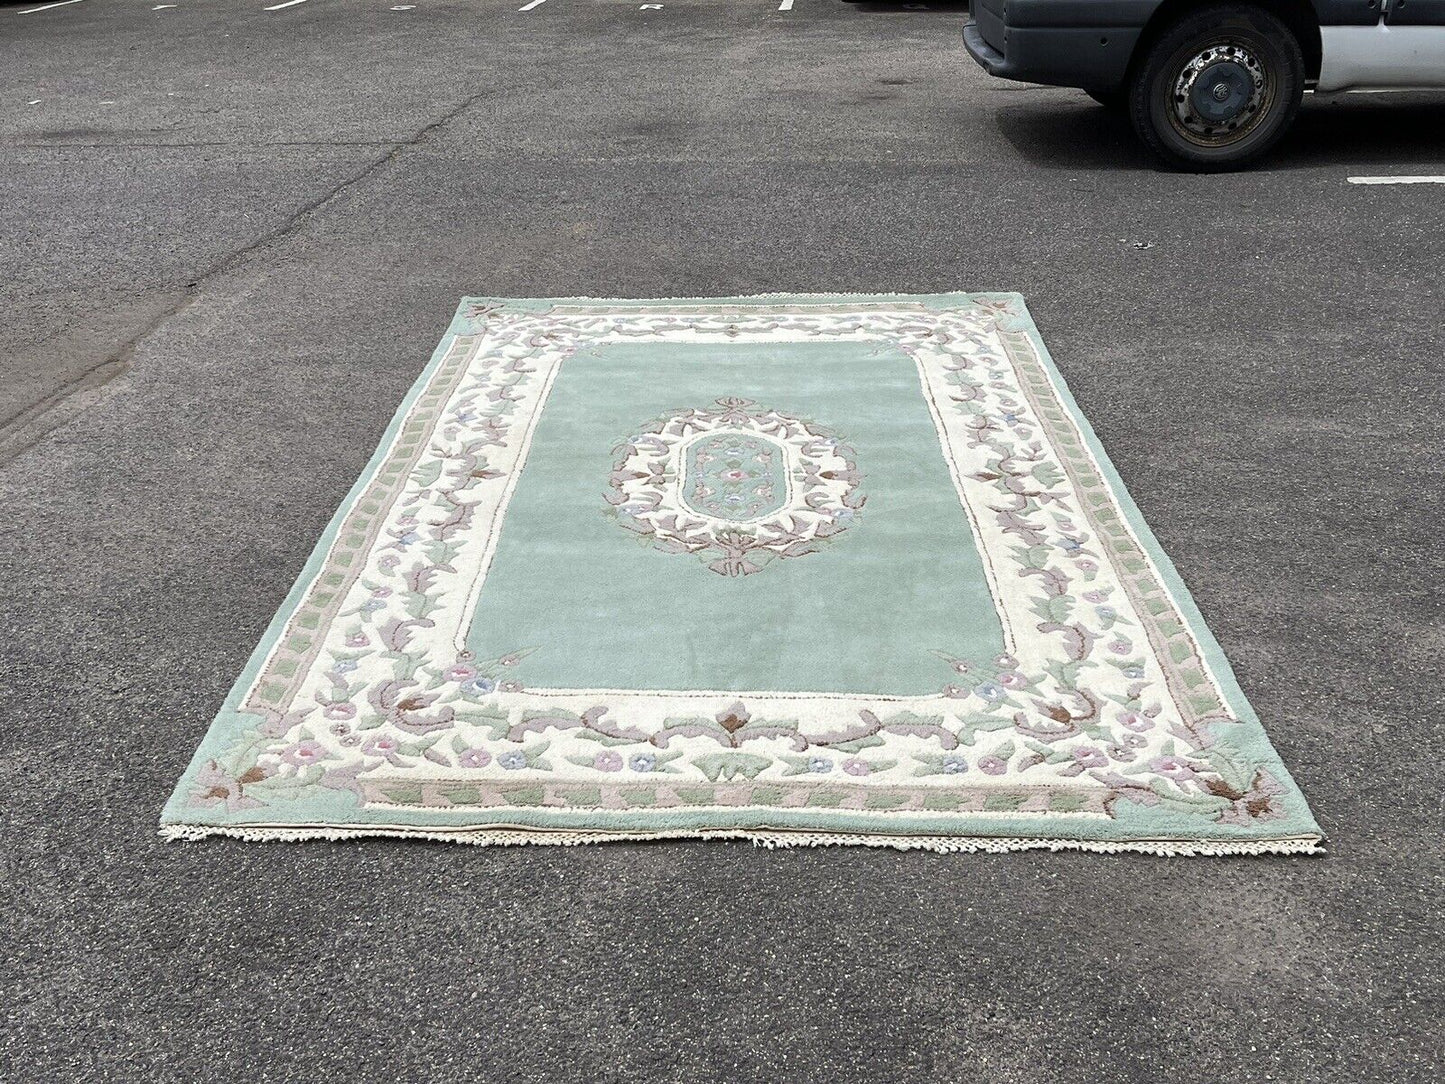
[735,485]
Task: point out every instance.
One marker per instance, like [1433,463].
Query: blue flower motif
[344,666]
[1068,545]
[642,762]
[990,691]
[408,538]
[1106,612]
[1135,672]
[371,605]
[954,765]
[512,761]
[479,684]
[820,765]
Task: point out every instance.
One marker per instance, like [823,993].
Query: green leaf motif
[723,766]
[427,474]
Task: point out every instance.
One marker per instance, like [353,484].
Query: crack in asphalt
[28,426]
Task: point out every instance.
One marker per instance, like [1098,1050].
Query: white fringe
[771,839]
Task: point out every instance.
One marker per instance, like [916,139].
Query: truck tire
[1217,88]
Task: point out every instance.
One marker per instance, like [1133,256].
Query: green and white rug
[815,569]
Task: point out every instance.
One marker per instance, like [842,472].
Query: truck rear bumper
[1007,40]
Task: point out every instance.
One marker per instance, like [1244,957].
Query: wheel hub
[1219,93]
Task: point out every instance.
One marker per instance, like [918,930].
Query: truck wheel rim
[1219,95]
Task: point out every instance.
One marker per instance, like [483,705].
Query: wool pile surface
[801,570]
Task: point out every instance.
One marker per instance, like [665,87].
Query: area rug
[795,569]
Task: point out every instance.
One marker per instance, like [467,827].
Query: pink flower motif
[1087,565]
[381,746]
[608,762]
[1171,767]
[1132,720]
[388,562]
[473,758]
[339,711]
[1012,679]
[1006,662]
[460,672]
[359,640]
[1095,596]
[992,765]
[303,754]
[1119,647]
[380,592]
[1089,757]
[856,767]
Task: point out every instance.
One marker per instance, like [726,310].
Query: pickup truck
[1210,85]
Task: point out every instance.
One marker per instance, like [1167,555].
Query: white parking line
[284,4]
[786,5]
[530,4]
[1396,180]
[47,7]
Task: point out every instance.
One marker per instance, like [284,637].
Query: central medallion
[734,475]
[735,485]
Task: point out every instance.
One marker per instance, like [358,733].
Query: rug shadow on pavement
[1395,130]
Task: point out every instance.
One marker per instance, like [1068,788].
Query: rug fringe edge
[771,840]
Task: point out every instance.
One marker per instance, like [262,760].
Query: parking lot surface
[231,233]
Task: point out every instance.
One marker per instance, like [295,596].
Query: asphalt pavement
[230,238]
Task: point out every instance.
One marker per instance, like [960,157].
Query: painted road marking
[284,4]
[530,4]
[786,5]
[1396,180]
[47,7]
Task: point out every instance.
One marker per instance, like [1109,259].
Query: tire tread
[1198,23]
